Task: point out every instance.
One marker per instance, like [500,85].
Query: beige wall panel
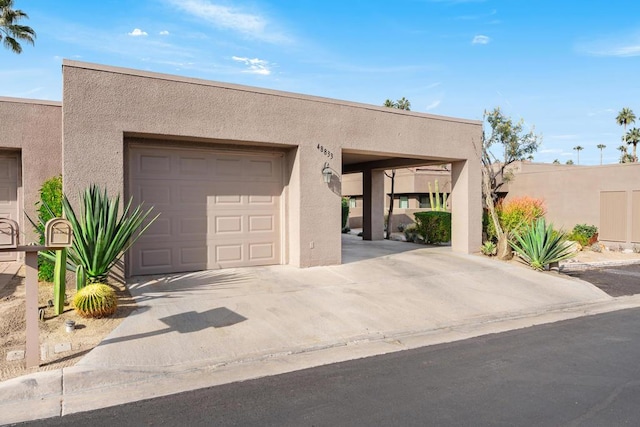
[613,216]
[635,217]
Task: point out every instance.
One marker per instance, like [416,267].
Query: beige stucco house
[236,172]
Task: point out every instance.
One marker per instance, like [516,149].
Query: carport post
[372,204]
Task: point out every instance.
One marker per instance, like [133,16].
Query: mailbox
[58,233]
[9,232]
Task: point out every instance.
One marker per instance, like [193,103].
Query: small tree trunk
[390,213]
[504,251]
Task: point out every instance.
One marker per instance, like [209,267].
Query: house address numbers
[324,151]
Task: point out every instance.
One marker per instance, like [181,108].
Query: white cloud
[480,39]
[228,18]
[137,32]
[433,105]
[255,65]
[164,33]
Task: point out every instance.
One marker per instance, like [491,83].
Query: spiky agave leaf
[101,235]
[540,245]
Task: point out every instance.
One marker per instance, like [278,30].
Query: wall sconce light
[326,173]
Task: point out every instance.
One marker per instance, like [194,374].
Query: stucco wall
[572,194]
[102,104]
[33,129]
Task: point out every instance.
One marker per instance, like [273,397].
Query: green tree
[624,156]
[10,30]
[400,104]
[624,118]
[569,162]
[516,144]
[601,147]
[633,137]
[578,149]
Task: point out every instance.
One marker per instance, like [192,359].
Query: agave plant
[539,245]
[100,235]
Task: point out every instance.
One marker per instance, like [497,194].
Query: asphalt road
[579,372]
[614,280]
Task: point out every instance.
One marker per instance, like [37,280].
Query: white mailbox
[9,233]
[58,233]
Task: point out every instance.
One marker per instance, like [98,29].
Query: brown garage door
[218,209]
[8,195]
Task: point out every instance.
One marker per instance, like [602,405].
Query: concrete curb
[599,264]
[78,389]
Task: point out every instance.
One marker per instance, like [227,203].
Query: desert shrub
[95,300]
[489,248]
[636,249]
[517,213]
[539,245]
[584,234]
[49,206]
[434,226]
[345,212]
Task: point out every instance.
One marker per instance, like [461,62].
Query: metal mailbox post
[58,235]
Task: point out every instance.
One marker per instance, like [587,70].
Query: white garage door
[8,196]
[218,209]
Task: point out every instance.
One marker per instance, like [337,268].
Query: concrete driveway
[202,329]
[382,289]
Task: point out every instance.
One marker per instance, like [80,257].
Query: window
[424,201]
[404,202]
[352,202]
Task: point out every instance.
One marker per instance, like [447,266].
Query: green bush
[583,234]
[434,226]
[345,212]
[49,206]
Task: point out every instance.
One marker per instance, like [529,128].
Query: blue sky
[565,67]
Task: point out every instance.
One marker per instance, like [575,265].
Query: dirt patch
[58,348]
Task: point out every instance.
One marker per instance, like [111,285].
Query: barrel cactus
[96,300]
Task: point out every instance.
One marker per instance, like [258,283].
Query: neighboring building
[606,196]
[411,193]
[237,173]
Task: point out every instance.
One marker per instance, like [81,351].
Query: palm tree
[633,137]
[625,117]
[10,31]
[624,157]
[403,104]
[578,148]
[601,147]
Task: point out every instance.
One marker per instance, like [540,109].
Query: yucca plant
[100,235]
[96,300]
[540,245]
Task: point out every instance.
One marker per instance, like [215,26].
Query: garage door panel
[217,209]
[149,164]
[8,197]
